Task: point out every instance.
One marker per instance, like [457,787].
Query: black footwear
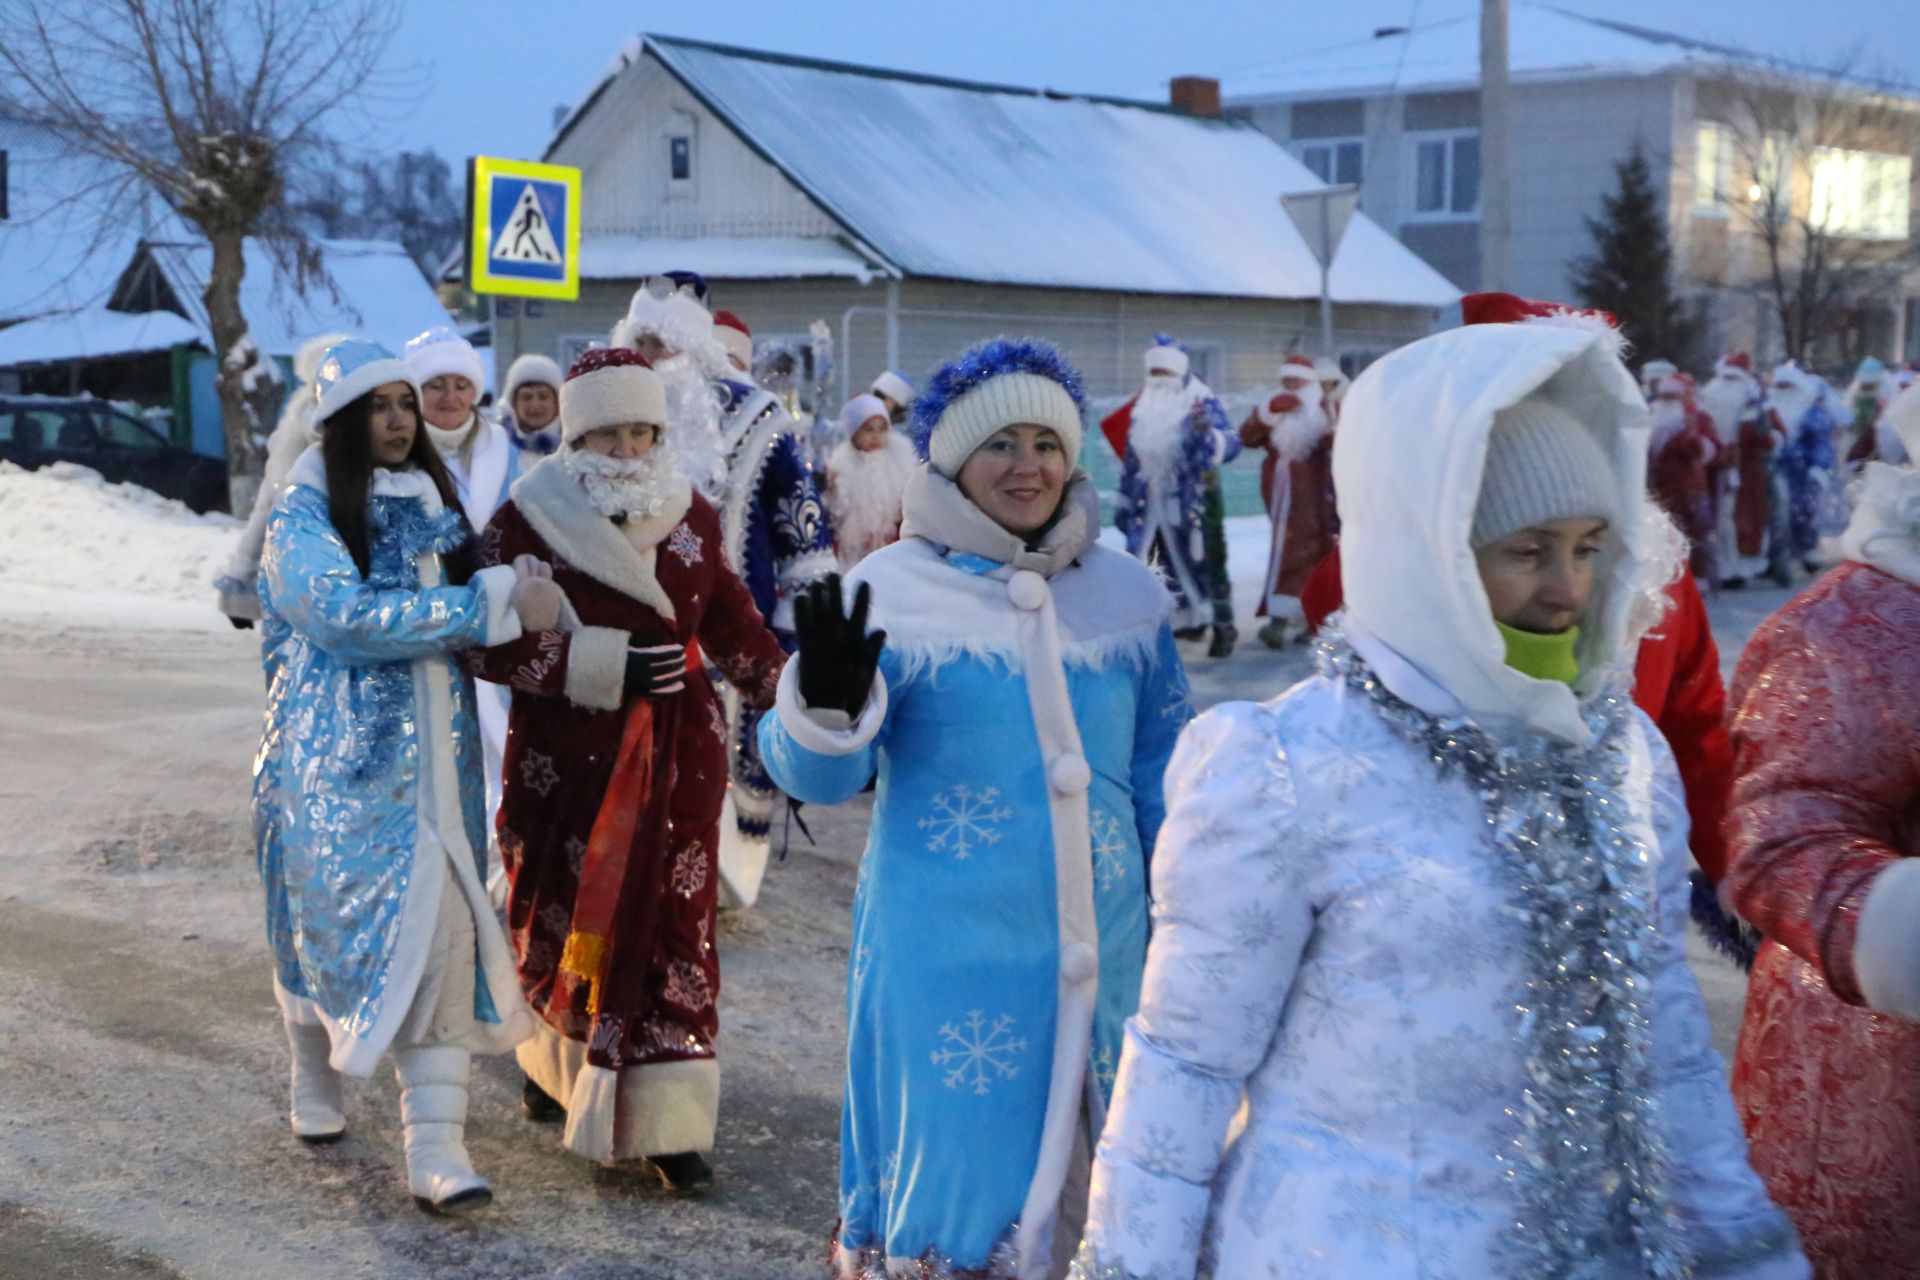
[1733,584]
[1189,633]
[1223,639]
[687,1173]
[539,1106]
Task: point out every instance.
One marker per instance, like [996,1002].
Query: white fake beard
[693,420]
[628,488]
[1792,404]
[1158,418]
[1725,400]
[867,487]
[1296,434]
[1669,418]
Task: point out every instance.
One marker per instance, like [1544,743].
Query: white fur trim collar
[553,503]
[310,469]
[1885,530]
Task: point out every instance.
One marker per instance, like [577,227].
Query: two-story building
[1398,110]
[915,215]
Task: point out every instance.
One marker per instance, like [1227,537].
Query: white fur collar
[481,479]
[1885,530]
[553,503]
[310,469]
[934,508]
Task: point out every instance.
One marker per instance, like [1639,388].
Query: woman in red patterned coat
[616,766]
[1824,835]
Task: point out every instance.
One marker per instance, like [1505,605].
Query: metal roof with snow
[1001,185]
[1545,43]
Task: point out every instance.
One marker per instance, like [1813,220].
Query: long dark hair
[346,446]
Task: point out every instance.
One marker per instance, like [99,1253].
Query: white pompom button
[1078,963]
[1027,589]
[1069,774]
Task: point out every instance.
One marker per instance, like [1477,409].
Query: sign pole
[1326,290]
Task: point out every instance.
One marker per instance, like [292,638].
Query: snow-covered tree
[206,103]
[408,196]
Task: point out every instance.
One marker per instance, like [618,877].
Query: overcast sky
[487,74]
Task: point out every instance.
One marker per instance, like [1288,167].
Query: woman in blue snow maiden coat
[368,796]
[1019,704]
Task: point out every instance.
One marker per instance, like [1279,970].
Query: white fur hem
[297,1011]
[816,737]
[654,1109]
[1886,949]
[496,584]
[597,667]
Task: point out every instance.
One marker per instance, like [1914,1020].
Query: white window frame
[1451,138]
[1712,191]
[1877,203]
[1332,147]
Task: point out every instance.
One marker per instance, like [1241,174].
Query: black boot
[1223,639]
[687,1172]
[539,1105]
[1189,633]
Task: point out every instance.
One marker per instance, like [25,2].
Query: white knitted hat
[1541,465]
[529,370]
[440,350]
[609,386]
[1001,401]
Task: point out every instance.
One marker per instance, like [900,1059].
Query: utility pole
[1496,151]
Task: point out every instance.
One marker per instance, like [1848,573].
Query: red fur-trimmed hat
[1507,308]
[734,335]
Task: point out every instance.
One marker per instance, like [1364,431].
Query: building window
[1341,161]
[1861,193]
[1712,168]
[1446,176]
[680,157]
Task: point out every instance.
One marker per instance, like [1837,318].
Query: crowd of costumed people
[1383,976]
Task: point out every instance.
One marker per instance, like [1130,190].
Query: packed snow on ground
[76,548]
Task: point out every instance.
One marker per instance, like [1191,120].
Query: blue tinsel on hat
[1168,340]
[980,364]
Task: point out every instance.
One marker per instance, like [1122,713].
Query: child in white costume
[1425,912]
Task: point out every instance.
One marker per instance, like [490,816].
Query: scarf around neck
[1540,656]
[934,509]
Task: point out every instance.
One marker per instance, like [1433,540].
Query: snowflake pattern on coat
[685,543]
[964,819]
[976,1052]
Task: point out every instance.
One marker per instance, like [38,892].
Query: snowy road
[142,1129]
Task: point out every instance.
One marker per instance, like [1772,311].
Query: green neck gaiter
[1542,657]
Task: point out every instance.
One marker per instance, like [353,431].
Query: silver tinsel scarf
[1587,1154]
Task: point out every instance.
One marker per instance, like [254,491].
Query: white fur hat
[894,387]
[531,369]
[1164,357]
[306,361]
[440,351]
[1903,415]
[855,413]
[351,368]
[609,386]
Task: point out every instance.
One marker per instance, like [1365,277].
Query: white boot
[433,1107]
[318,1111]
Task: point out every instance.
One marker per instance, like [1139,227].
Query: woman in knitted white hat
[1425,913]
[368,800]
[532,397]
[615,772]
[1019,708]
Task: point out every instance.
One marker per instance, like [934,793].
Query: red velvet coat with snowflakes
[658,975]
[1826,797]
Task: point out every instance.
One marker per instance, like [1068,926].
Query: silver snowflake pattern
[576,851]
[537,771]
[719,714]
[1110,851]
[976,1052]
[685,543]
[963,819]
[687,986]
[1105,1069]
[690,870]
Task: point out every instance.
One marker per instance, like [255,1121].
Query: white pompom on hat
[532,369]
[441,351]
[610,387]
[1542,465]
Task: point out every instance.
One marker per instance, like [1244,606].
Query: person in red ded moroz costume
[1824,833]
[1676,682]
[1296,483]
[616,765]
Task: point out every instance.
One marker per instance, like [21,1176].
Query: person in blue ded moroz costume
[368,799]
[1019,702]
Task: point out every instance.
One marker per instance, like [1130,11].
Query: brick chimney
[1196,95]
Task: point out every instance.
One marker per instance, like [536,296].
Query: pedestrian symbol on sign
[526,237]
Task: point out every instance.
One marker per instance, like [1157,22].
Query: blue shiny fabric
[336,779]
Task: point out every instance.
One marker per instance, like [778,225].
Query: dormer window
[680,157]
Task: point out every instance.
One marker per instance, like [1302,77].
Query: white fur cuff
[806,728]
[1886,949]
[597,667]
[503,624]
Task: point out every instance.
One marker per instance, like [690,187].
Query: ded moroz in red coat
[1824,831]
[1296,483]
[609,825]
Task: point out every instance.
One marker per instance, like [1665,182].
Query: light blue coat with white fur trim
[1019,729]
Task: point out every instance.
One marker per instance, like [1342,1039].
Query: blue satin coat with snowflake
[335,786]
[951,994]
[1806,463]
[1200,452]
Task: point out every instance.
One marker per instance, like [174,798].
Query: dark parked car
[37,430]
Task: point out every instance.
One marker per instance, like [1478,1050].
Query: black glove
[240,624]
[656,671]
[837,657]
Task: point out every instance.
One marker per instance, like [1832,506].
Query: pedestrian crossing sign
[523,228]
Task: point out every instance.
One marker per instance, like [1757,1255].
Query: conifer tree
[1630,272]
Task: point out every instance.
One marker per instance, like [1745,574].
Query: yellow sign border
[481,173]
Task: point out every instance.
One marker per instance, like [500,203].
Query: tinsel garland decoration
[1587,1155]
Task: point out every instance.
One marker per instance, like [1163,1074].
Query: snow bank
[76,548]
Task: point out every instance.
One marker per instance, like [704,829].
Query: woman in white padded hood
[1425,911]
